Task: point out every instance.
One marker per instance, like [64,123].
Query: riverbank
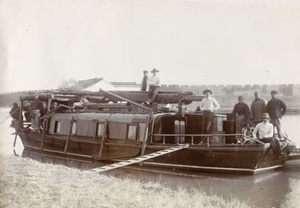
[27,183]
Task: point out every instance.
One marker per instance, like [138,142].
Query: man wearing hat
[145,80]
[276,108]
[208,106]
[257,108]
[154,86]
[264,132]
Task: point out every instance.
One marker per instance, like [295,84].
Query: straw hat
[265,115]
[154,70]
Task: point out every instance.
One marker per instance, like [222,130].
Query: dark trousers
[153,91]
[207,121]
[275,145]
[277,124]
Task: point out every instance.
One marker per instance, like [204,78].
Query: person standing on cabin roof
[264,132]
[276,109]
[145,81]
[37,110]
[240,113]
[154,86]
[208,106]
[257,109]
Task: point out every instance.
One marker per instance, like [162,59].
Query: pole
[18,123]
[127,100]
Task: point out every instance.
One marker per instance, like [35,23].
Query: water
[280,188]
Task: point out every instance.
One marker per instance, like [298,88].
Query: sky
[191,42]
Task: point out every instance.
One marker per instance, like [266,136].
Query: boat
[118,126]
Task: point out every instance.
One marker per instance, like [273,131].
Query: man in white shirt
[208,106]
[264,129]
[264,132]
[154,86]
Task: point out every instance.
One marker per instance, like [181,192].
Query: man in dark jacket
[15,111]
[240,113]
[15,114]
[145,80]
[276,109]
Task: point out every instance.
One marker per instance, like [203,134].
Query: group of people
[150,84]
[265,116]
[260,112]
[37,110]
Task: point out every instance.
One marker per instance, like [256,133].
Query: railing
[246,137]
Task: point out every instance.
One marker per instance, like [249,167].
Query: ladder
[140,158]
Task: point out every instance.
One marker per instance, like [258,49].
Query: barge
[118,126]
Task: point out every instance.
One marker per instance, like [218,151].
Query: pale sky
[43,42]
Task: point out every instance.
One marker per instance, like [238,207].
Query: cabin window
[131,131]
[74,125]
[57,126]
[100,129]
[117,130]
[86,128]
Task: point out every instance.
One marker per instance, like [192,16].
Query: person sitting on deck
[154,86]
[264,132]
[145,80]
[208,106]
[57,108]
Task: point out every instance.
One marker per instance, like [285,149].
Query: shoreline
[30,183]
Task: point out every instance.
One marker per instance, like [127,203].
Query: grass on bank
[28,183]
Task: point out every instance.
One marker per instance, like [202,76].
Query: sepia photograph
[149,103]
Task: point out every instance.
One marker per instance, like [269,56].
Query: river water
[280,188]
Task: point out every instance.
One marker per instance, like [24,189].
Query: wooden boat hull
[251,159]
[230,158]
[88,148]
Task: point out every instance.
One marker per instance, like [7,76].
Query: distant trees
[66,84]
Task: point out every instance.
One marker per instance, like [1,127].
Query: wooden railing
[200,135]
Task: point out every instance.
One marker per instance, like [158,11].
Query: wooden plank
[70,132]
[145,137]
[140,159]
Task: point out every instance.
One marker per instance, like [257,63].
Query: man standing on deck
[276,109]
[208,106]
[258,108]
[15,114]
[37,110]
[240,113]
[154,86]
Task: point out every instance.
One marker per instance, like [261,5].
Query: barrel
[219,140]
[229,128]
[217,125]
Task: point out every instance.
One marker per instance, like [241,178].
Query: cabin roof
[117,96]
[83,84]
